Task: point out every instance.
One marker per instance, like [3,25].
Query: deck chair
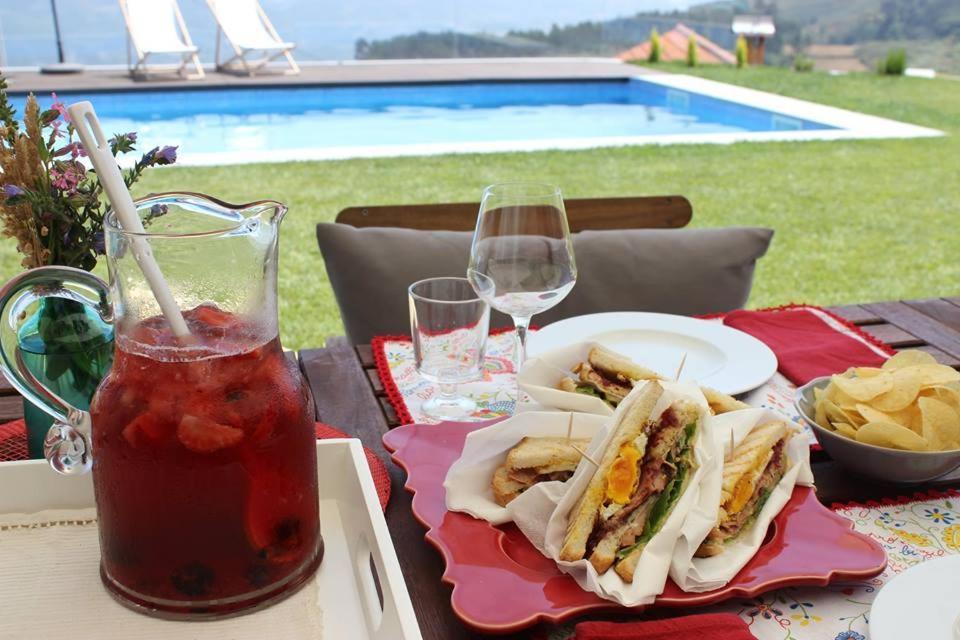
[156,28]
[249,32]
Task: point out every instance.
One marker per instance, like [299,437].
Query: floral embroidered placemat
[911,530]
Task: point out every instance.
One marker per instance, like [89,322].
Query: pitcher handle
[67,445]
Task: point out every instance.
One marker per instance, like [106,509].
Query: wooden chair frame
[647,212]
[239,61]
[141,68]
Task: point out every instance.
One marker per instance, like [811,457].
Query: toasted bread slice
[616,366]
[505,489]
[614,391]
[547,455]
[531,459]
[585,513]
[721,402]
[743,468]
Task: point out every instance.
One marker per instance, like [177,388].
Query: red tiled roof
[673,46]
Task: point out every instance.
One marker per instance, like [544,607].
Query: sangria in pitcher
[202,445]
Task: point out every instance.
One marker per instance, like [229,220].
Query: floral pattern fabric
[911,531]
[495,392]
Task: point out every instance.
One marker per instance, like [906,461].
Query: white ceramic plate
[921,602]
[717,356]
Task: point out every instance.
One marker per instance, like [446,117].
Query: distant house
[673,46]
[756,30]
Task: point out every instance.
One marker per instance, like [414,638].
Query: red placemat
[809,341]
[13,446]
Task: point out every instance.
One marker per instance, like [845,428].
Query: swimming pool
[214,126]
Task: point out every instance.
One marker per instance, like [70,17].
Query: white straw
[98,149]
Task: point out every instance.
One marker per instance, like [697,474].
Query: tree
[692,51]
[654,46]
[741,52]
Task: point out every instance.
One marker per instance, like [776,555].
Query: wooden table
[348,395]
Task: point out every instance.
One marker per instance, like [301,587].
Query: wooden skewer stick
[570,427]
[585,455]
[683,361]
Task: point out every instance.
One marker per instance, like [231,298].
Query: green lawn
[855,221]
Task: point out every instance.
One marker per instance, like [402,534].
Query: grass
[855,221]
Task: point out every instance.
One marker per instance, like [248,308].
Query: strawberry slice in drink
[209,315]
[203,435]
[273,515]
[145,430]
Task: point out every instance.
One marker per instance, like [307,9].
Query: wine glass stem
[520,350]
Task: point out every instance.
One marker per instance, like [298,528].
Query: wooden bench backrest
[653,212]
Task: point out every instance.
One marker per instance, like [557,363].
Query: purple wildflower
[12,191]
[99,245]
[75,149]
[167,155]
[132,136]
[60,107]
[67,176]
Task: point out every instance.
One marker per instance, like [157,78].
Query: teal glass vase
[69,349]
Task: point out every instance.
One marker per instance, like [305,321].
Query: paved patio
[340,73]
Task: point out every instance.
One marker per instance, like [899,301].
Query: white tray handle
[397,612]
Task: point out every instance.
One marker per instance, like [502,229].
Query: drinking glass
[521,261]
[449,325]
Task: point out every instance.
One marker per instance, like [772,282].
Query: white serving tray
[352,523]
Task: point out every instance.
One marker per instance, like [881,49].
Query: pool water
[247,122]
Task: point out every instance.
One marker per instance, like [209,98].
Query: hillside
[928,29]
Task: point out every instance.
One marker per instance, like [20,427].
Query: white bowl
[890,465]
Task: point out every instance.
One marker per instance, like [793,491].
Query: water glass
[449,325]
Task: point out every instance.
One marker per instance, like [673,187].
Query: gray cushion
[685,271]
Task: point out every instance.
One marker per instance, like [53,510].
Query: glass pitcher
[202,448]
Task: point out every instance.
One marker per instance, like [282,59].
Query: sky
[93,30]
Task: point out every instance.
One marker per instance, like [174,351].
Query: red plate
[502,584]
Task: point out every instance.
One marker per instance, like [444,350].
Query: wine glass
[521,260]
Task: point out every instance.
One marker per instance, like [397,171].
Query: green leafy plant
[802,64]
[741,52]
[655,46]
[894,64]
[692,55]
